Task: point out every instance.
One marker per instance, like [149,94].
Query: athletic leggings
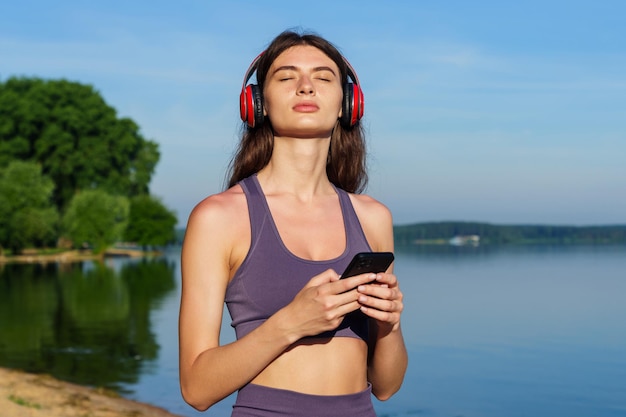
[260,401]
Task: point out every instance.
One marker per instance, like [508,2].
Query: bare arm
[388,358]
[384,304]
[209,372]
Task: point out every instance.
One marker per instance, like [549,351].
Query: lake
[491,331]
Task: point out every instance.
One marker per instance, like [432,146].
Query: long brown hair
[346,167]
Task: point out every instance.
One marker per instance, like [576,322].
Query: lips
[306,107]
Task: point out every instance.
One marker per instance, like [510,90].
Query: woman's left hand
[382,300]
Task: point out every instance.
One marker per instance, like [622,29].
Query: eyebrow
[294,68]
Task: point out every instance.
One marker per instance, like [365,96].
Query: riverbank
[32,395]
[74,256]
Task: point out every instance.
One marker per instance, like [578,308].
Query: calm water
[505,331]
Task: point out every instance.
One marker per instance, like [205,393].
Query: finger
[380,291]
[346,284]
[325,277]
[349,307]
[381,316]
[388,279]
[378,303]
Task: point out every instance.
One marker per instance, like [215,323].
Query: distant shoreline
[74,256]
[452,232]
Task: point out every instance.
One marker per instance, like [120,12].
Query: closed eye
[325,74]
[285,73]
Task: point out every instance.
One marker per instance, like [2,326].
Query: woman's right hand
[322,304]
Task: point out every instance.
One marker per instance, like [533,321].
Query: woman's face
[303,93]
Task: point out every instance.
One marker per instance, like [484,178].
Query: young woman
[272,247]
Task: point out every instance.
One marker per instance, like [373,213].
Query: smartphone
[368,262]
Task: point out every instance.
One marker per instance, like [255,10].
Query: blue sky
[504,112]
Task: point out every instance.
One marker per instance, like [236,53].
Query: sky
[490,111]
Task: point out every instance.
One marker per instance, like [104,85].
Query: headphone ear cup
[359,102]
[347,106]
[352,110]
[251,105]
[257,99]
[244,104]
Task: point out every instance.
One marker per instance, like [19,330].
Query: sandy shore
[30,395]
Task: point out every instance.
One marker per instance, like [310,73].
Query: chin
[305,134]
[305,131]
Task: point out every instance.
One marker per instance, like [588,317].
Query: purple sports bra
[270,275]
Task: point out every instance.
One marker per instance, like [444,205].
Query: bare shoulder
[376,220]
[218,224]
[218,208]
[370,206]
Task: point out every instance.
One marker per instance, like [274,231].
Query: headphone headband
[251,98]
[251,69]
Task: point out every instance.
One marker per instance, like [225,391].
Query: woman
[272,247]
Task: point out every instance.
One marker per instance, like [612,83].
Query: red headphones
[251,99]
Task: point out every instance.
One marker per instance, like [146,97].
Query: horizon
[510,114]
[584,226]
[511,224]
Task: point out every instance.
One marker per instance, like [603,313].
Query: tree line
[432,232]
[72,172]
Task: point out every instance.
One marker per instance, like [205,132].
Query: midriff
[332,366]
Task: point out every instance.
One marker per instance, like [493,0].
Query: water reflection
[477,252]
[87,323]
[492,330]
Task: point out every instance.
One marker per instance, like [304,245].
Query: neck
[298,167]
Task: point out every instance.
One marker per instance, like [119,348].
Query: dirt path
[29,395]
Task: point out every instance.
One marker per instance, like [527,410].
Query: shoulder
[219,206]
[369,206]
[376,220]
[218,224]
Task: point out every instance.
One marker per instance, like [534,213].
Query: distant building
[472,240]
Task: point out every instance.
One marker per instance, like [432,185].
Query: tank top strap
[352,224]
[256,206]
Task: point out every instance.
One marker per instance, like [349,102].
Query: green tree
[27,215]
[76,136]
[150,222]
[96,218]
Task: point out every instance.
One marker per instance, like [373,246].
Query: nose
[305,86]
